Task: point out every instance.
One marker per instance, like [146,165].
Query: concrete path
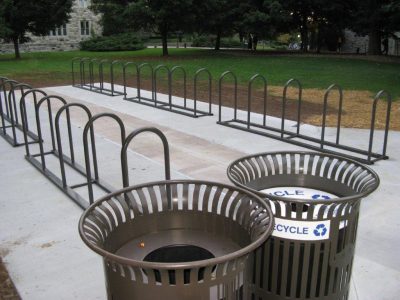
[39,240]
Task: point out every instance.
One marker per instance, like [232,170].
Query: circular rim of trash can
[185,265]
[300,200]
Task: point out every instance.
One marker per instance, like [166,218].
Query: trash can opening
[178,253]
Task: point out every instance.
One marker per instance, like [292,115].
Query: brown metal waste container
[315,199]
[177,239]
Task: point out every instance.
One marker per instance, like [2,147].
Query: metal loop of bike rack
[74,61]
[367,156]
[93,81]
[173,70]
[156,71]
[11,113]
[6,85]
[5,115]
[139,98]
[221,78]
[167,163]
[195,81]
[249,98]
[24,115]
[125,80]
[96,179]
[326,96]
[284,100]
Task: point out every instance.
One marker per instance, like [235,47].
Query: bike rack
[88,64]
[11,115]
[38,160]
[149,101]
[165,105]
[367,156]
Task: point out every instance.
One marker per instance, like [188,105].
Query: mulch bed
[7,289]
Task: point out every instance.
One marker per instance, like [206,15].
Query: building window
[85,28]
[83,3]
[59,31]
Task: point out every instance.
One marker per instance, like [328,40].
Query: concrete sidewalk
[39,239]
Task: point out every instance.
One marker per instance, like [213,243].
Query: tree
[377,19]
[18,17]
[262,19]
[318,18]
[222,16]
[160,16]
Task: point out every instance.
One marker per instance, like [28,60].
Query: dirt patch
[7,288]
[356,109]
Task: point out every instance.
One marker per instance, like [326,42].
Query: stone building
[359,44]
[83,24]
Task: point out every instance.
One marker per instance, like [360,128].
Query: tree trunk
[164,39]
[374,43]
[304,35]
[16,47]
[304,39]
[218,41]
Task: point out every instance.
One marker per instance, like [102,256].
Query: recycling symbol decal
[319,197]
[320,230]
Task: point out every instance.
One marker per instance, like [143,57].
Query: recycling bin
[177,239]
[315,199]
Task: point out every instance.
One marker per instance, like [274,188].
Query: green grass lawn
[312,71]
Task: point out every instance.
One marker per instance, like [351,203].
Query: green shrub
[203,41]
[231,43]
[119,42]
[209,41]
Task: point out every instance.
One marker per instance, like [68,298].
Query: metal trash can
[177,239]
[315,199]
